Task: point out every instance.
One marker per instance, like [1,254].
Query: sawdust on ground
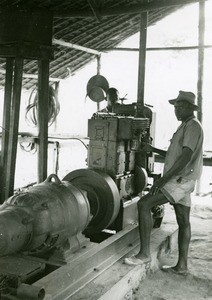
[198,283]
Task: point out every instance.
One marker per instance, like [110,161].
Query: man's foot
[174,270]
[134,261]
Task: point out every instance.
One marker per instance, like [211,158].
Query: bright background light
[166,73]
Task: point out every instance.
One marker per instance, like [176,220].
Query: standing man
[182,167]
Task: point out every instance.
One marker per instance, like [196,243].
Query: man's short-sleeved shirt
[189,134]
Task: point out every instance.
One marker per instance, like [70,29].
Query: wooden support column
[6,127]
[142,62]
[12,137]
[43,103]
[201,53]
[201,58]
[98,58]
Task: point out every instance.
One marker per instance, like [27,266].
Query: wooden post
[142,62]
[98,73]
[43,103]
[13,129]
[201,58]
[6,127]
[201,53]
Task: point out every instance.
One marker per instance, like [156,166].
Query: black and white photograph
[105,149]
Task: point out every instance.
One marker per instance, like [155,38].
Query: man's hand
[158,184]
[146,147]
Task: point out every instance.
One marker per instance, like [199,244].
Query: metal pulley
[102,194]
[141,179]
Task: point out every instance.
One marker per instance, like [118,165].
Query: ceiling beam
[74,46]
[32,76]
[158,48]
[133,9]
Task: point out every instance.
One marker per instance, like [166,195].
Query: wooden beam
[33,76]
[43,104]
[123,10]
[74,46]
[159,48]
[14,123]
[7,105]
[201,58]
[98,73]
[6,127]
[142,61]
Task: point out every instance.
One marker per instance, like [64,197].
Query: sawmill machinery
[44,226]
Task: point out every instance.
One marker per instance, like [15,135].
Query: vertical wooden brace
[201,58]
[6,126]
[142,60]
[98,73]
[43,104]
[13,129]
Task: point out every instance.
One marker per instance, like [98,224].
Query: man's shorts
[178,190]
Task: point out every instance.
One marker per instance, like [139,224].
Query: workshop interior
[55,231]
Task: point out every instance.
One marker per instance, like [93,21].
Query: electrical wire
[69,138]
[31,112]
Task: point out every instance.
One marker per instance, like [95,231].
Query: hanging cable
[31,112]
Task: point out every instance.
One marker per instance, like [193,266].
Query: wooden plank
[13,131]
[86,265]
[207,161]
[43,103]
[89,263]
[6,126]
[123,288]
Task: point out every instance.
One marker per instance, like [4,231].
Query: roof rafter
[74,46]
[94,9]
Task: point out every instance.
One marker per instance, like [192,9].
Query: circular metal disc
[103,196]
[141,179]
[97,80]
[97,94]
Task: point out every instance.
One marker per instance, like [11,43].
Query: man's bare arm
[150,148]
[182,161]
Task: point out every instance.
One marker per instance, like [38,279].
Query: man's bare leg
[184,235]
[145,226]
[145,222]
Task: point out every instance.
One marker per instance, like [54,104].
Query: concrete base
[120,280]
[98,272]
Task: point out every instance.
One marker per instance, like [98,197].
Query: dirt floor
[198,283]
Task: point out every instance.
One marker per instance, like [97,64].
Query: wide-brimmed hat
[185,96]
